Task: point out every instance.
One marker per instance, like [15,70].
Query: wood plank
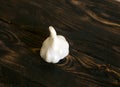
[92,28]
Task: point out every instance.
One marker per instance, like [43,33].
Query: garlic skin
[54,48]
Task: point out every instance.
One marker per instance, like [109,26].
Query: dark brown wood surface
[92,28]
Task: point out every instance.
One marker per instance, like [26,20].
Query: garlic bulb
[54,48]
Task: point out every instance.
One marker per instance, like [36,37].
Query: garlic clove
[54,48]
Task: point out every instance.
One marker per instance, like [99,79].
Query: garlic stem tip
[52,31]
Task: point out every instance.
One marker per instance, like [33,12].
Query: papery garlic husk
[54,48]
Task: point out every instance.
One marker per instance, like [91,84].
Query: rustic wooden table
[92,28]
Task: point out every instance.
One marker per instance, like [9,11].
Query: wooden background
[92,28]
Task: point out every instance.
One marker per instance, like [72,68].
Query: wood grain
[92,28]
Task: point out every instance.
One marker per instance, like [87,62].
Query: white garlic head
[54,48]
